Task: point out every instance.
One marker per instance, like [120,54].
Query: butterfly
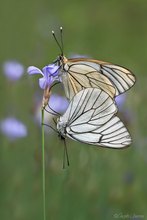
[79,73]
[91,118]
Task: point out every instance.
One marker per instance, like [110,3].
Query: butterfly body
[61,127]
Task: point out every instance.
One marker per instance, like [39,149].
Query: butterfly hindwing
[90,118]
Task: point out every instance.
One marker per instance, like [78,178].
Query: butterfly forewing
[77,74]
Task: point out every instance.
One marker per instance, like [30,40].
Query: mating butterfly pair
[91,86]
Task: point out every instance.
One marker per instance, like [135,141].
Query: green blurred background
[100,183]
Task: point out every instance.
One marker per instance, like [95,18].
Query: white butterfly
[79,73]
[91,118]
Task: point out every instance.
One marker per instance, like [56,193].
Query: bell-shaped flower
[49,74]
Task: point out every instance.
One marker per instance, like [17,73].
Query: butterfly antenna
[61,34]
[65,154]
[53,33]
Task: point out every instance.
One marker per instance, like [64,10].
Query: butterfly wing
[84,73]
[90,118]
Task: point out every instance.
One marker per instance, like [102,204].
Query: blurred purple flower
[49,73]
[74,55]
[13,128]
[13,70]
[120,100]
[124,112]
[57,103]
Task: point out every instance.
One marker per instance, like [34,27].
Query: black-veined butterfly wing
[90,118]
[84,73]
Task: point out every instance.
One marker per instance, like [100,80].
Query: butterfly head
[60,61]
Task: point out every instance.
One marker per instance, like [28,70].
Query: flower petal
[34,70]
[53,69]
[50,70]
[43,83]
[46,73]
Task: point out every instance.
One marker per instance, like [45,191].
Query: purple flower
[49,73]
[57,103]
[13,70]
[13,128]
[74,55]
[120,100]
[124,112]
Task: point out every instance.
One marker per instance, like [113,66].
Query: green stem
[43,168]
